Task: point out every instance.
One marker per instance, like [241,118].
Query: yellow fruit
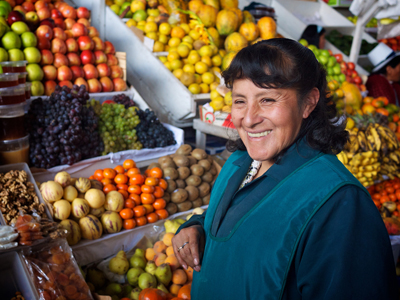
[150,19]
[190,46]
[137,5]
[215,36]
[229,3]
[163,38]
[213,86]
[185,61]
[205,88]
[163,59]
[185,27]
[167,64]
[174,42]
[214,95]
[172,49]
[141,27]
[189,68]
[150,27]
[207,61]
[226,61]
[172,55]
[193,57]
[152,35]
[183,50]
[227,109]
[187,39]
[194,88]
[165,28]
[178,73]
[216,60]
[153,12]
[352,95]
[206,51]
[222,52]
[201,67]
[166,48]
[131,22]
[350,124]
[198,78]
[216,69]
[227,22]
[235,42]
[208,15]
[218,103]
[176,64]
[158,46]
[267,27]
[141,23]
[187,78]
[194,35]
[207,77]
[250,31]
[228,98]
[178,32]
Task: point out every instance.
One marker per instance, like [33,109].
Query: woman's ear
[311,102]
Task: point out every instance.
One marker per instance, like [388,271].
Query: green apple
[19,27]
[129,14]
[32,55]
[6,5]
[303,42]
[322,59]
[15,55]
[324,52]
[342,77]
[115,8]
[139,15]
[35,72]
[11,40]
[3,12]
[336,69]
[3,29]
[3,55]
[312,47]
[37,88]
[331,61]
[329,71]
[28,39]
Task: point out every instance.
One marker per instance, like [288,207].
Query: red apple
[69,34]
[107,84]
[48,22]
[77,72]
[74,59]
[15,16]
[98,43]
[59,33]
[85,43]
[87,57]
[49,87]
[66,83]
[43,13]
[59,22]
[58,46]
[354,73]
[116,72]
[94,85]
[80,81]
[79,29]
[357,80]
[43,43]
[69,12]
[343,66]
[83,12]
[90,71]
[119,85]
[84,22]
[69,23]
[93,31]
[109,48]
[351,66]
[44,31]
[60,60]
[100,57]
[40,4]
[339,57]
[50,72]
[104,70]
[112,60]
[47,57]
[28,6]
[72,45]
[55,13]
[64,73]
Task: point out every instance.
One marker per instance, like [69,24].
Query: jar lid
[20,63]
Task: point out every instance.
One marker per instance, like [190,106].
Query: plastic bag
[7,239]
[55,272]
[6,230]
[8,246]
[28,229]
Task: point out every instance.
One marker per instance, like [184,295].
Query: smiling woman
[286,219]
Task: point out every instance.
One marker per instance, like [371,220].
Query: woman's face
[267,120]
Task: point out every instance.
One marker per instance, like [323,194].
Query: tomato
[132,172]
[397,193]
[136,179]
[149,208]
[139,211]
[163,184]
[129,224]
[109,173]
[98,174]
[147,198]
[128,164]
[390,190]
[376,196]
[384,199]
[134,189]
[152,217]
[351,66]
[152,294]
[124,193]
[121,186]
[392,197]
[121,178]
[159,203]
[135,198]
[151,181]
[162,213]
[357,80]
[126,213]
[108,102]
[396,186]
[129,203]
[108,188]
[158,192]
[141,221]
[119,169]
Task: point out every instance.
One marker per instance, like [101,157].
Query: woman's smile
[258,134]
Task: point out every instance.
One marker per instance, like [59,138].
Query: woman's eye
[265,100]
[238,101]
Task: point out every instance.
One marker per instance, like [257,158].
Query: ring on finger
[181,247]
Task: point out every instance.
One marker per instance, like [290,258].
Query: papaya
[229,4]
[195,6]
[226,61]
[91,227]
[352,95]
[239,14]
[227,22]
[213,3]
[172,5]
[249,30]
[235,42]
[248,17]
[267,27]
[208,15]
[215,36]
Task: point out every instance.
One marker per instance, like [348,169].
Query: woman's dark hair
[311,35]
[393,63]
[286,64]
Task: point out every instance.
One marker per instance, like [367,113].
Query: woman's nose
[252,115]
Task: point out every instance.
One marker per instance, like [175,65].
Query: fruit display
[371,23]
[62,129]
[55,273]
[393,43]
[343,43]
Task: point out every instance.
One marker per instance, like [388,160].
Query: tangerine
[129,224]
[159,203]
[108,188]
[119,169]
[141,221]
[128,164]
[98,175]
[147,189]
[134,189]
[136,179]
[126,213]
[139,211]
[121,178]
[129,203]
[109,173]
[162,213]
[151,181]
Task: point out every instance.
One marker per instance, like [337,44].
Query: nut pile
[17,194]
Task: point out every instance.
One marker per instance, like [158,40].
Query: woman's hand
[192,239]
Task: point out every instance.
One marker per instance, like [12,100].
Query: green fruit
[6,5]
[35,72]
[32,55]
[147,280]
[3,12]
[115,8]
[119,264]
[129,14]
[331,61]
[126,290]
[15,55]
[113,289]
[135,293]
[19,27]
[133,276]
[28,39]
[324,52]
[3,55]
[11,40]
[303,42]
[151,267]
[323,59]
[140,15]
[137,262]
[3,29]
[164,274]
[37,88]
[337,70]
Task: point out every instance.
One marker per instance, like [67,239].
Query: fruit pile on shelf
[393,43]
[343,43]
[61,47]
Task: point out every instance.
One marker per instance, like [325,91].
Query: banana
[386,159]
[371,142]
[365,161]
[342,158]
[393,156]
[367,154]
[388,135]
[375,135]
[362,141]
[368,174]
[384,147]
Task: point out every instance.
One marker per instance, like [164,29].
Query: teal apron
[254,260]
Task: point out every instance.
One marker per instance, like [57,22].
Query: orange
[106,181]
[179,276]
[178,32]
[124,193]
[162,213]
[149,208]
[91,177]
[147,173]
[134,189]
[147,189]
[159,203]
[132,171]
[152,217]
[109,173]
[151,181]
[129,163]
[184,292]
[141,221]
[129,203]
[126,213]
[163,184]
[98,174]
[156,172]
[129,224]
[121,178]
[119,169]
[382,111]
[121,186]
[368,108]
[139,211]
[368,99]
[147,198]
[158,192]
[136,179]
[135,198]
[108,188]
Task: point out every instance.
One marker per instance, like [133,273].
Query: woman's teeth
[260,134]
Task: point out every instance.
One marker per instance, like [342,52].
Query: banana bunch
[391,164]
[364,166]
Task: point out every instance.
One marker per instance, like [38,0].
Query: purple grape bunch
[123,99]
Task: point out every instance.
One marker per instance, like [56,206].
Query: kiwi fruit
[170,173]
[204,189]
[213,170]
[185,149]
[207,177]
[171,208]
[164,159]
[205,164]
[210,159]
[199,154]
[153,165]
[168,164]
[167,197]
[197,170]
[181,160]
[205,200]
[184,172]
[193,180]
[192,160]
[171,185]
[193,192]
[180,184]
[197,203]
[184,206]
[179,196]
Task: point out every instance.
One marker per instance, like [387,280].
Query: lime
[139,15]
